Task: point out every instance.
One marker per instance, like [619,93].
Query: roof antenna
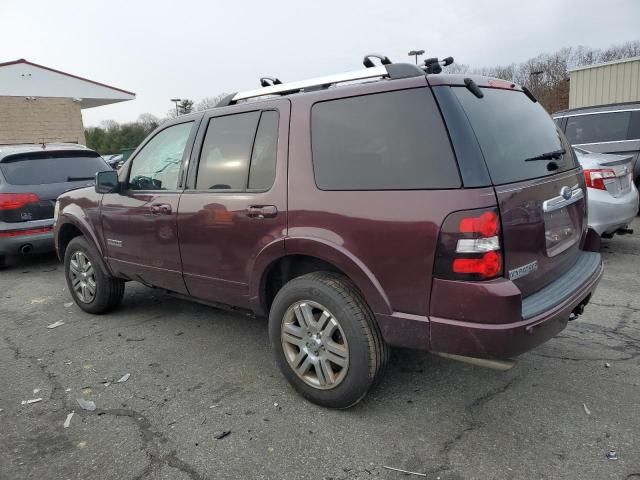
[367,62]
[269,81]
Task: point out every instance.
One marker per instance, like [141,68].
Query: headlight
[56,211]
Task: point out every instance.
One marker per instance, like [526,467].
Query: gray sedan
[612,194]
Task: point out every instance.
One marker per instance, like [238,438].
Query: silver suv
[605,129]
[32,176]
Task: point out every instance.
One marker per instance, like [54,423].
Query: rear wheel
[325,338]
[92,289]
[3,261]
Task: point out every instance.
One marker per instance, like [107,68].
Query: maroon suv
[416,210]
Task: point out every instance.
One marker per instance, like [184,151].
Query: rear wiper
[78,179]
[547,156]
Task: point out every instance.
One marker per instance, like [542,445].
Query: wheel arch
[71,225]
[298,256]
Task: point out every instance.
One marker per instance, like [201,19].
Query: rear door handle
[160,208]
[262,211]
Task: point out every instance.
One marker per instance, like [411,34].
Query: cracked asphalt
[197,372]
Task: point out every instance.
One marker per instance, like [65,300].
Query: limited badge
[523,270]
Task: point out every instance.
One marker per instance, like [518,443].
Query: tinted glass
[157,165]
[224,160]
[388,141]
[634,126]
[511,128]
[263,159]
[602,127]
[47,168]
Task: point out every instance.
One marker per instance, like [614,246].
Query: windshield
[510,129]
[41,168]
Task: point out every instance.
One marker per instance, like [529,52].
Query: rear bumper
[36,243]
[607,214]
[489,340]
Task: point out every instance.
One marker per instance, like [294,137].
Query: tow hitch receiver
[579,310]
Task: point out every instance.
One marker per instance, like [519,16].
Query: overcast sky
[193,49]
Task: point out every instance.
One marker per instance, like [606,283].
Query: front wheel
[92,289]
[326,340]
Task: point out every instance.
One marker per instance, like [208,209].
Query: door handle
[160,208]
[262,211]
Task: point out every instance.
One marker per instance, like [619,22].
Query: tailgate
[542,228]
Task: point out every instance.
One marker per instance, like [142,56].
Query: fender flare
[74,215]
[324,250]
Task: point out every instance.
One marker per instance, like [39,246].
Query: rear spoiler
[37,154]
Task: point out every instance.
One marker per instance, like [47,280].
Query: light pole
[176,100]
[416,53]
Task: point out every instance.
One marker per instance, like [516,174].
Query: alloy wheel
[83,277]
[314,345]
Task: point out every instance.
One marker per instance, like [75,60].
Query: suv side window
[599,127]
[157,165]
[387,141]
[239,152]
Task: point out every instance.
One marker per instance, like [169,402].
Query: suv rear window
[41,168]
[510,128]
[386,141]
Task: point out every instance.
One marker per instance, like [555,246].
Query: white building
[39,104]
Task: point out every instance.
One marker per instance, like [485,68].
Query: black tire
[3,261]
[367,351]
[109,290]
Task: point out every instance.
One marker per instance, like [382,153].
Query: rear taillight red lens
[488,265]
[13,201]
[595,177]
[487,224]
[469,246]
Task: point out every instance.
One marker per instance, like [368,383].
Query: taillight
[469,246]
[13,201]
[595,178]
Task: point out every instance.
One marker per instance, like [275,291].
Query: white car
[612,196]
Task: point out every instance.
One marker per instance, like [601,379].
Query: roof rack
[387,69]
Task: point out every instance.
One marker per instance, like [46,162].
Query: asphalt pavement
[204,399]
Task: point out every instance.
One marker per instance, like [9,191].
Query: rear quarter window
[511,128]
[386,141]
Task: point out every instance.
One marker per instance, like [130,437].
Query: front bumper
[607,214]
[35,242]
[493,302]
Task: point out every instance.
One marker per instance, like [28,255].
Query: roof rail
[391,70]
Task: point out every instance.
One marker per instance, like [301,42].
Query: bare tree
[109,124]
[547,74]
[148,121]
[209,102]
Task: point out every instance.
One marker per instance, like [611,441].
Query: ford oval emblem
[566,193]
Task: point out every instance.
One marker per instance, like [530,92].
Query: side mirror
[107,182]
